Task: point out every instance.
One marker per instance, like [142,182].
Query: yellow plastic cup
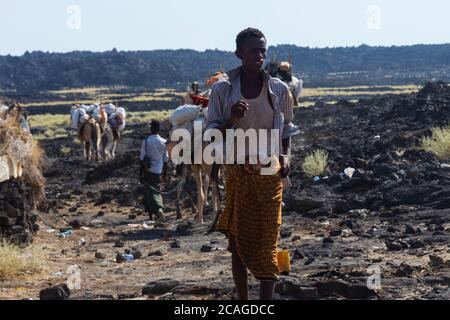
[284,261]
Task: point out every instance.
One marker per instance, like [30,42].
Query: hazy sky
[100,25]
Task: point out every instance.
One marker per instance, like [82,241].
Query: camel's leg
[191,199]
[216,198]
[180,187]
[206,188]
[96,144]
[201,195]
[113,152]
[87,148]
[216,205]
[84,150]
[104,155]
[97,150]
[105,152]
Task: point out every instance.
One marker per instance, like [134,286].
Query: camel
[102,118]
[17,112]
[91,128]
[205,175]
[89,135]
[109,140]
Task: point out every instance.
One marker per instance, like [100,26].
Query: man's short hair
[247,34]
[155,126]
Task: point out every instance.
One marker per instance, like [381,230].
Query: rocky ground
[392,216]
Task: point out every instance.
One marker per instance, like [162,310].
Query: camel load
[21,181]
[98,129]
[115,116]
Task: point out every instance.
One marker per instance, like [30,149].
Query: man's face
[253,53]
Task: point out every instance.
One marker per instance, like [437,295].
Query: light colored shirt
[259,116]
[227,92]
[156,151]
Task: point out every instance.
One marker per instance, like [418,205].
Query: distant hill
[363,65]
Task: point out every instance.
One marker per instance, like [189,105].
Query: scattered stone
[357,291]
[110,233]
[137,254]
[127,296]
[436,261]
[127,257]
[349,223]
[100,255]
[437,281]
[417,243]
[328,241]
[329,288]
[335,233]
[119,258]
[392,229]
[206,248]
[75,224]
[309,261]
[284,233]
[393,246]
[304,202]
[296,238]
[438,294]
[96,223]
[298,254]
[119,244]
[288,288]
[347,233]
[185,228]
[59,292]
[156,253]
[404,270]
[91,194]
[358,213]
[175,244]
[162,286]
[410,230]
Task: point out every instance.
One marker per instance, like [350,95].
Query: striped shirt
[227,92]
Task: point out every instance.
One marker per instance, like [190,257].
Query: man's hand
[238,111]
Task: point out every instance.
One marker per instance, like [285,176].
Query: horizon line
[114,49]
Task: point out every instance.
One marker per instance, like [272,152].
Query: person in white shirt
[154,158]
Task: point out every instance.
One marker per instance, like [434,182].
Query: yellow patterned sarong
[252,215]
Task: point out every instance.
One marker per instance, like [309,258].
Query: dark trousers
[152,192]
